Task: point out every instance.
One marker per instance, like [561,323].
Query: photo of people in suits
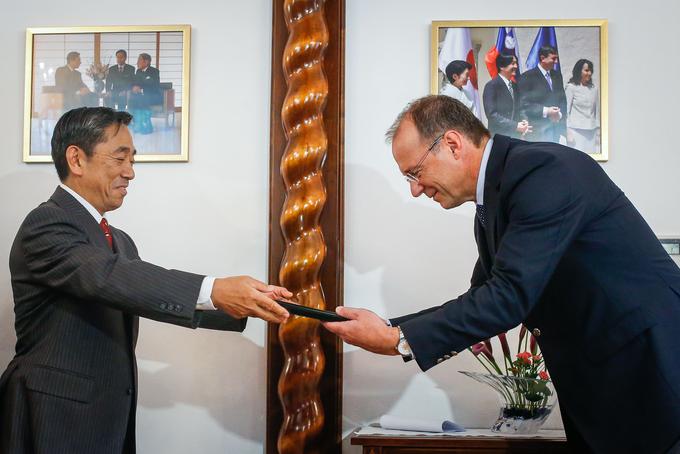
[522,88]
[98,72]
[119,82]
[145,93]
[69,82]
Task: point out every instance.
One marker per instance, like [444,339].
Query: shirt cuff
[204,303]
[545,112]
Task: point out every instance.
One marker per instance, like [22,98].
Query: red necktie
[107,232]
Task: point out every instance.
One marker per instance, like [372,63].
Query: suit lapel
[96,236]
[494,172]
[85,219]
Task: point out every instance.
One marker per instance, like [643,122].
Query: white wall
[207,389]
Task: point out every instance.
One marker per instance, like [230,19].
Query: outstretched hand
[244,296]
[366,330]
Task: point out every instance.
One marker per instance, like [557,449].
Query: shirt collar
[545,72]
[88,206]
[482,172]
[507,82]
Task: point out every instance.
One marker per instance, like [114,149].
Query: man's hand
[366,330]
[523,127]
[554,114]
[243,296]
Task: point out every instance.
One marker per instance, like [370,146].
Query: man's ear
[74,159]
[454,141]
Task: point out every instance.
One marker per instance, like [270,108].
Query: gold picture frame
[157,97]
[578,42]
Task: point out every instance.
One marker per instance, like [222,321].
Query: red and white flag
[458,46]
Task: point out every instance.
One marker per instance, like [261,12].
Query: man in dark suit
[542,101]
[562,250]
[119,81]
[146,92]
[501,100]
[69,81]
[79,287]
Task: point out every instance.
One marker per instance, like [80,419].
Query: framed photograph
[143,70]
[537,80]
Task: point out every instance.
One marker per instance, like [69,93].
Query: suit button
[439,360]
[163,306]
[536,332]
[129,391]
[454,353]
[447,357]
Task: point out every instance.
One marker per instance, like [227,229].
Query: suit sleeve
[59,256]
[529,105]
[545,211]
[491,109]
[562,104]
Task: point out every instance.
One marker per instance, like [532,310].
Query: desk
[386,444]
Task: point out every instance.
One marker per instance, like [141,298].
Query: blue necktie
[549,79]
[481,214]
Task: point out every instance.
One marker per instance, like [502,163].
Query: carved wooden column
[304,373]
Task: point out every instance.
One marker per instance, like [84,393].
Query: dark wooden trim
[158,50]
[442,444]
[97,47]
[332,222]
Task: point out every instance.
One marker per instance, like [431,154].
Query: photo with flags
[557,94]
[506,44]
[457,45]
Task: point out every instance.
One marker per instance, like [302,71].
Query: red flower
[525,357]
[544,375]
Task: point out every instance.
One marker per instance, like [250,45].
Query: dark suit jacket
[117,81]
[68,82]
[71,387]
[501,107]
[534,94]
[565,252]
[149,81]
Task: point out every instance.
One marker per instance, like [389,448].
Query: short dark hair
[434,114]
[85,128]
[122,51]
[504,60]
[456,67]
[544,51]
[146,57]
[72,56]
[576,72]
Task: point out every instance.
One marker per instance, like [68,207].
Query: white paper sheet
[419,425]
[371,430]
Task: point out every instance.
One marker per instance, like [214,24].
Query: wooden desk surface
[384,444]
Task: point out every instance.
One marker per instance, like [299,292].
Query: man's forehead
[118,137]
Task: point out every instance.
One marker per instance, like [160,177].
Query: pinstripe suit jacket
[71,387]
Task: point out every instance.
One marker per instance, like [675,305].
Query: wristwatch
[403,347]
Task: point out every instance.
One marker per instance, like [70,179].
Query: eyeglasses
[412,175]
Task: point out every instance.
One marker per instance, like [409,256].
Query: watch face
[403,348]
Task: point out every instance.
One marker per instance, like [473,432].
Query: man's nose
[416,188]
[128,172]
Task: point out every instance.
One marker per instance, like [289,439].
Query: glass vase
[526,403]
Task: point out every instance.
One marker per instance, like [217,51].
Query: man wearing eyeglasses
[561,250]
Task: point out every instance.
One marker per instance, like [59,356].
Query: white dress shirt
[481,178]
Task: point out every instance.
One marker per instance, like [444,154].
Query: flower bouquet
[98,72]
[522,383]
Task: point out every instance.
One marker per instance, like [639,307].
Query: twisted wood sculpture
[302,116]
